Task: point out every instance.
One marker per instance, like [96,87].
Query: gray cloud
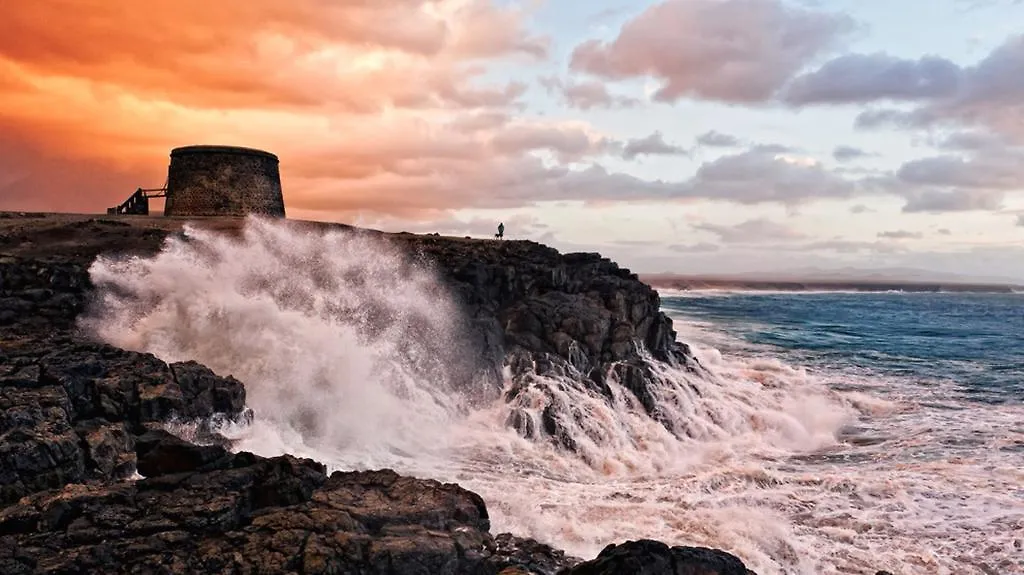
[587,94]
[479,122]
[651,145]
[860,209]
[715,139]
[944,232]
[758,176]
[694,248]
[753,51]
[900,235]
[857,78]
[939,201]
[460,178]
[847,153]
[984,171]
[972,141]
[953,183]
[750,177]
[990,93]
[1020,220]
[751,231]
[729,50]
[569,143]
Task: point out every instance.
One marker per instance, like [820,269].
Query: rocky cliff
[543,313]
[91,482]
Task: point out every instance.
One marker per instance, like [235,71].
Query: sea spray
[345,344]
[353,353]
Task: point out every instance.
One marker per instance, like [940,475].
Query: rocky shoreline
[91,481]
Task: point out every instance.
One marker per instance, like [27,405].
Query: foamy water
[347,352]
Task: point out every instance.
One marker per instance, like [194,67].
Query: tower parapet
[223,181]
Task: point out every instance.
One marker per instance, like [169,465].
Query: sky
[688,136]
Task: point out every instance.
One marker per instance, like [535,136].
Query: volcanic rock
[647,557]
[78,418]
[206,511]
[71,413]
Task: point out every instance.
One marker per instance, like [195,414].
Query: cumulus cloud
[847,153]
[241,53]
[405,123]
[954,183]
[1001,172]
[750,231]
[587,94]
[989,93]
[900,235]
[651,145]
[569,142]
[972,141]
[343,92]
[729,50]
[938,201]
[715,139]
[855,78]
[762,175]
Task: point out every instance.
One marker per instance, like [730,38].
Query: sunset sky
[694,136]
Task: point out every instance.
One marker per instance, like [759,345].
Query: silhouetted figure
[501,230]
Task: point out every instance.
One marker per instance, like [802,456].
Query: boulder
[71,413]
[647,557]
[207,511]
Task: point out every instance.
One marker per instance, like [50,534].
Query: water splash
[346,346]
[352,354]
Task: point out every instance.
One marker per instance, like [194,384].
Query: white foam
[342,343]
[757,457]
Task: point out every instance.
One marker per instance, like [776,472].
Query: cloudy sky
[683,135]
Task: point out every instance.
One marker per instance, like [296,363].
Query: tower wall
[223,181]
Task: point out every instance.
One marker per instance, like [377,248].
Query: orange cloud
[730,50]
[94,93]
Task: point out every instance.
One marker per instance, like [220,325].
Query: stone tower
[223,181]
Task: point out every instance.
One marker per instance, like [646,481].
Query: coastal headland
[700,282]
[92,480]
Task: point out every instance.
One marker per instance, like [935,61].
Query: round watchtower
[223,181]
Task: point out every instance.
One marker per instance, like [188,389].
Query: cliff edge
[91,481]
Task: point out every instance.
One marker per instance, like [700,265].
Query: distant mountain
[850,274]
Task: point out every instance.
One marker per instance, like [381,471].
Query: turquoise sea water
[929,478]
[972,342]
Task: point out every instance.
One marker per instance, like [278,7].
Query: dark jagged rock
[72,414]
[549,314]
[527,555]
[526,306]
[77,418]
[161,453]
[646,557]
[246,514]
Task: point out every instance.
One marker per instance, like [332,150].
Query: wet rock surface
[210,511]
[547,315]
[577,309]
[78,419]
[647,557]
[71,412]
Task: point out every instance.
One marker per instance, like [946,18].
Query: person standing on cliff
[501,230]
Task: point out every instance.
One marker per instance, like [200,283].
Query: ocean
[932,478]
[826,433]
